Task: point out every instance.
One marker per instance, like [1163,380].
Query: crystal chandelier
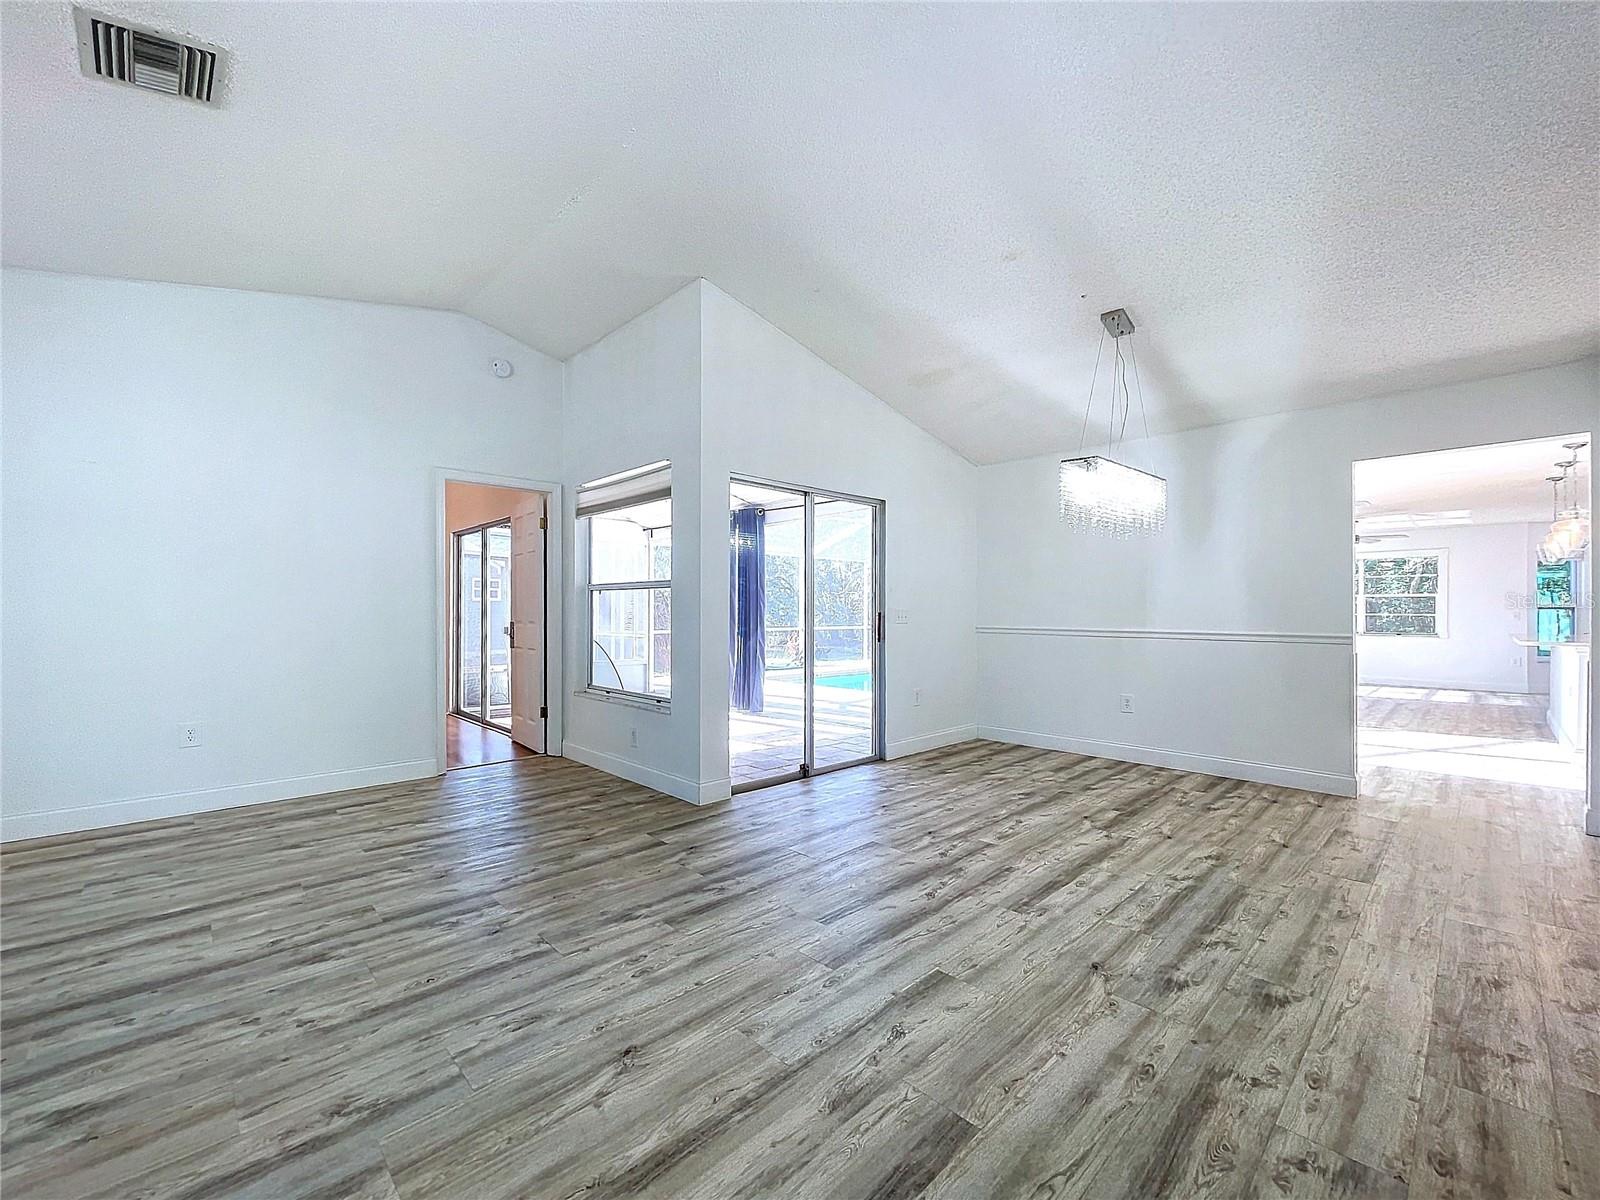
[1098,493]
[1569,524]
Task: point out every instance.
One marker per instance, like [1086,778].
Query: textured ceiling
[1298,203]
[1487,484]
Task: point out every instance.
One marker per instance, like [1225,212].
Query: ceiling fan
[1368,539]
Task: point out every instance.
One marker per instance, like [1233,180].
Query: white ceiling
[1477,485]
[1298,203]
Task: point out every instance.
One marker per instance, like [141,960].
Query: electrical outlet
[916,696]
[188,735]
[633,738]
[1127,703]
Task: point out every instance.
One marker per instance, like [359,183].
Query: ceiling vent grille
[157,62]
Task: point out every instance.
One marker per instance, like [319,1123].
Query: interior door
[528,522]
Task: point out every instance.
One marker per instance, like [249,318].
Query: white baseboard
[1203,764]
[182,804]
[675,786]
[716,791]
[931,741]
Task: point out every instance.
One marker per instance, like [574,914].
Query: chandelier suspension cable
[1097,493]
[1121,375]
[1133,353]
[1117,420]
[1088,406]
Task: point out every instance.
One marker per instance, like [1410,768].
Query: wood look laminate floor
[981,972]
[468,744]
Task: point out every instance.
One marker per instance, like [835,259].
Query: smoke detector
[119,52]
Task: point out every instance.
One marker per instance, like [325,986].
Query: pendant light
[1569,525]
[1098,494]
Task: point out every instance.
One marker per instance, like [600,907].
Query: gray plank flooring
[986,971]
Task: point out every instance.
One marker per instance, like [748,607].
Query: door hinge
[880,627]
[543,711]
[543,523]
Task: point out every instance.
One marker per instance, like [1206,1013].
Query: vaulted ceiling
[1298,204]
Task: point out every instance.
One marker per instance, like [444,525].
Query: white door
[527,621]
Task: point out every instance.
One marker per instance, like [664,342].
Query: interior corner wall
[775,411]
[704,382]
[634,398]
[1231,630]
[220,508]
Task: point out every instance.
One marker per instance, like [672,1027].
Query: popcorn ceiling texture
[1299,204]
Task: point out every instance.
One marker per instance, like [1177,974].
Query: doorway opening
[496,632]
[1471,632]
[805,632]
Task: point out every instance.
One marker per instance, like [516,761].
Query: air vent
[141,57]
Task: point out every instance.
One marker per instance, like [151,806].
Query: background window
[1554,616]
[630,599]
[1397,595]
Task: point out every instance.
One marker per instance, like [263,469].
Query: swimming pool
[856,683]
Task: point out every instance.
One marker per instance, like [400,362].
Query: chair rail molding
[1170,635]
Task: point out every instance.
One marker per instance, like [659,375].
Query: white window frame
[1542,649]
[1441,626]
[647,484]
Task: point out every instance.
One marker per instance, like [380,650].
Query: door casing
[444,546]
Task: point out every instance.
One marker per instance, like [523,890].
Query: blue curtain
[747,627]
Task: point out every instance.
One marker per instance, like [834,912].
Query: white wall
[220,507]
[1232,629]
[775,411]
[634,398]
[1488,575]
[703,381]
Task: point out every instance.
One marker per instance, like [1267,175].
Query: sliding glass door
[767,642]
[805,632]
[481,689]
[844,634]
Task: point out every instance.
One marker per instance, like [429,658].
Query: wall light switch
[916,696]
[1127,703]
[902,617]
[633,738]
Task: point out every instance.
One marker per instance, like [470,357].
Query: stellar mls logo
[1522,601]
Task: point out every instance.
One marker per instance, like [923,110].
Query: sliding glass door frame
[458,678]
[808,768]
